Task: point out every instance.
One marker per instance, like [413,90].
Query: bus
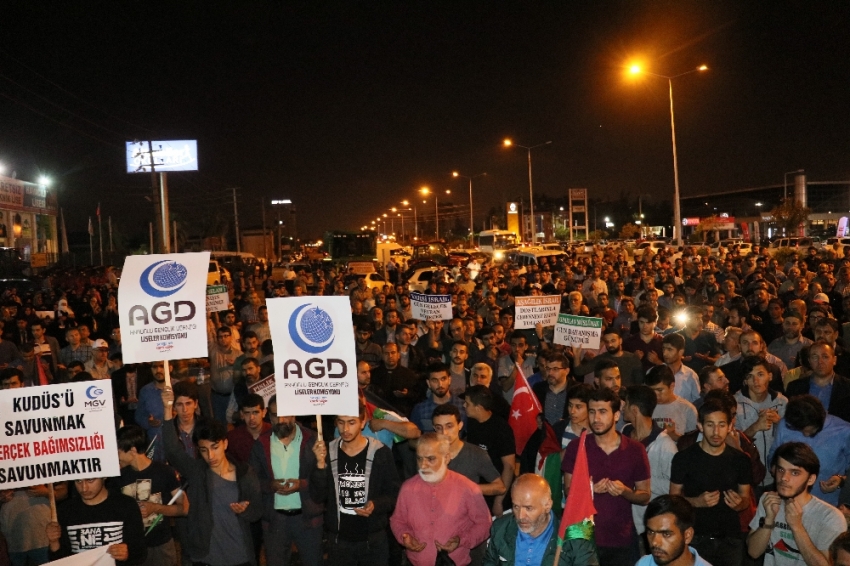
[343,247]
[497,242]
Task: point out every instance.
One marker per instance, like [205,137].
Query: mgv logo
[95,403]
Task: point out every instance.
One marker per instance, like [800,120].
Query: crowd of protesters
[717,414]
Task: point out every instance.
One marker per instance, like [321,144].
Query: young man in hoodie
[356,479]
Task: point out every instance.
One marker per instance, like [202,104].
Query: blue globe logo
[317,326]
[312,329]
[163,278]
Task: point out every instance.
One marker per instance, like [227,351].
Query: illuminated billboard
[171,155]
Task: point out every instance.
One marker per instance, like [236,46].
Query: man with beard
[630,365]
[396,384]
[532,531]
[717,480]
[439,509]
[669,523]
[791,525]
[150,411]
[787,346]
[283,458]
[438,384]
[621,478]
[752,345]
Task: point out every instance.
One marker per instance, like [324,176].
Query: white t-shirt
[681,413]
[822,522]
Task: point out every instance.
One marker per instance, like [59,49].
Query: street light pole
[785,181]
[509,143]
[471,216]
[677,208]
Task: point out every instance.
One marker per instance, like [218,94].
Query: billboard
[171,155]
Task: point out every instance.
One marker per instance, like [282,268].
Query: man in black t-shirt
[98,518]
[494,435]
[716,479]
[152,485]
[355,477]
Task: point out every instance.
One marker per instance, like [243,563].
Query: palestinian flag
[548,465]
[577,520]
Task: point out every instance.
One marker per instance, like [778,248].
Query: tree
[629,230]
[790,214]
[597,235]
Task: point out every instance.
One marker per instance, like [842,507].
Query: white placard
[95,557]
[315,360]
[431,307]
[162,307]
[533,310]
[265,388]
[579,331]
[57,433]
[218,298]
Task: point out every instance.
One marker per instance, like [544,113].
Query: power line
[68,92]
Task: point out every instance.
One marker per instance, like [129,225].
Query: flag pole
[91,243]
[109,222]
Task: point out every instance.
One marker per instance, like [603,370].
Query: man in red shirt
[621,477]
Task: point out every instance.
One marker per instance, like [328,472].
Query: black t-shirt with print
[352,495]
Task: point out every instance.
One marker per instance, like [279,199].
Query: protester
[438,509]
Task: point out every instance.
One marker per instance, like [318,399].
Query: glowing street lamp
[636,69]
[509,143]
[425,191]
[471,217]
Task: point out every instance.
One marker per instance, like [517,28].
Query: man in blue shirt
[806,421]
[669,523]
[439,382]
[150,411]
[529,535]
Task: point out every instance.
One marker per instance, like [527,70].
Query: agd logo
[311,329]
[159,280]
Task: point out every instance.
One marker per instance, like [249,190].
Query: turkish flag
[524,411]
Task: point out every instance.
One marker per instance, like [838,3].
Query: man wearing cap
[787,346]
[99,365]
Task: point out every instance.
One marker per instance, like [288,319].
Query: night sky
[348,107]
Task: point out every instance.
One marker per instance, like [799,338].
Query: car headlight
[499,255]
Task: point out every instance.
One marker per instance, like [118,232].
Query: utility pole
[236,222]
[265,243]
[166,236]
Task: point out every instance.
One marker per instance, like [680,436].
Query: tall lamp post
[510,143]
[785,181]
[677,208]
[415,220]
[471,217]
[277,203]
[426,191]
